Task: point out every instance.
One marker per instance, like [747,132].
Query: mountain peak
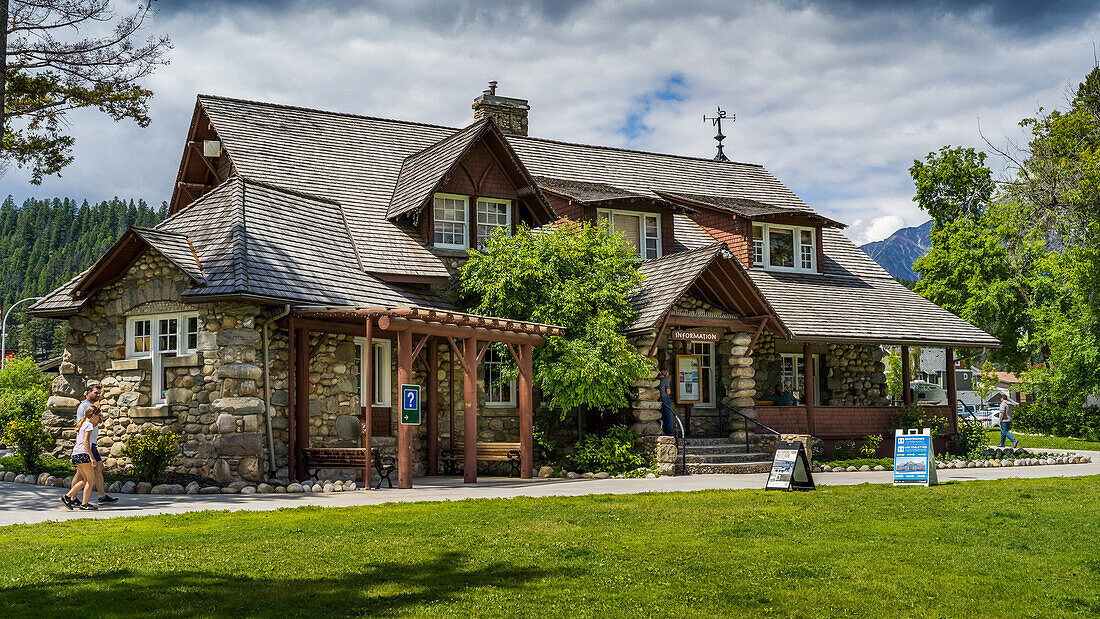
[900,250]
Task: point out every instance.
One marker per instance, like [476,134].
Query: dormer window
[493,213]
[784,248]
[451,227]
[641,230]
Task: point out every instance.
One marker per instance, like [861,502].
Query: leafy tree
[575,276]
[953,184]
[45,77]
[987,382]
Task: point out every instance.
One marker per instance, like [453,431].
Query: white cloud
[835,103]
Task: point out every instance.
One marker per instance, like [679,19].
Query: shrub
[1058,420]
[870,445]
[843,450]
[29,438]
[971,439]
[914,416]
[615,453]
[23,391]
[150,453]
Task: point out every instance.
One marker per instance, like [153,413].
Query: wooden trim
[404,432]
[526,413]
[469,416]
[292,400]
[432,401]
[808,385]
[755,337]
[367,374]
[301,405]
[419,346]
[906,377]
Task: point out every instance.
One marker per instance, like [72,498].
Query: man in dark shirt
[665,389]
[783,397]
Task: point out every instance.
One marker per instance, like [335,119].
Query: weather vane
[717,122]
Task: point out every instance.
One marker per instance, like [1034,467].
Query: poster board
[689,381]
[914,458]
[790,468]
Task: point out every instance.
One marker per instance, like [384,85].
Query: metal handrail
[747,418]
[681,449]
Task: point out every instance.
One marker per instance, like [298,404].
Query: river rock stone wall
[856,375]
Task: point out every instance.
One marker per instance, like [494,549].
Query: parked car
[990,417]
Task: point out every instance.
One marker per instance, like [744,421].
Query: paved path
[20,504]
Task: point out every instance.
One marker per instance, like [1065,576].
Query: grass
[993,437]
[1018,548]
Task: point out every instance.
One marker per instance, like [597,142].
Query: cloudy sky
[834,98]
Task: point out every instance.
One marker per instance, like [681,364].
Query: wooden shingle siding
[728,229]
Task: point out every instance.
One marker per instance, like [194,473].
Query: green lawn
[1009,548]
[993,437]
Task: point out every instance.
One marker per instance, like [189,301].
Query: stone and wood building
[304,273]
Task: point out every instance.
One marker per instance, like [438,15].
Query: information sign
[689,384]
[694,336]
[790,468]
[914,458]
[410,405]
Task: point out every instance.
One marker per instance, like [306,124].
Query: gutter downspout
[267,391]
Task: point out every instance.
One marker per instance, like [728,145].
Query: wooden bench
[317,458]
[486,452]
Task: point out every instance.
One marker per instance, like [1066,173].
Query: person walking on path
[665,388]
[82,459]
[91,397]
[1005,417]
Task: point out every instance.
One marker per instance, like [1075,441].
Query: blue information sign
[914,459]
[410,405]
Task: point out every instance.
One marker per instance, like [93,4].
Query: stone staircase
[712,456]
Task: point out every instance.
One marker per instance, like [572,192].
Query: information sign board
[790,468]
[914,458]
[410,405]
[689,384]
[694,336]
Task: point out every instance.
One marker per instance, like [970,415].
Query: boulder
[161,489]
[242,444]
[280,490]
[240,371]
[601,475]
[144,487]
[248,490]
[229,490]
[222,474]
[545,472]
[249,468]
[239,406]
[9,476]
[265,489]
[193,488]
[295,487]
[43,479]
[62,404]
[317,488]
[128,488]
[210,490]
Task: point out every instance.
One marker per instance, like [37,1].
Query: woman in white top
[82,459]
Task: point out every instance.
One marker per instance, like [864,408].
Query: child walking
[82,459]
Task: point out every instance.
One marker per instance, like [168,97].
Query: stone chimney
[510,114]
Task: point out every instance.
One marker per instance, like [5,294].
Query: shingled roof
[423,172]
[666,280]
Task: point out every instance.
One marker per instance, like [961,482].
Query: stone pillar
[741,393]
[645,404]
[664,453]
[238,443]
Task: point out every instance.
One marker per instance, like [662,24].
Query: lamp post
[4,330]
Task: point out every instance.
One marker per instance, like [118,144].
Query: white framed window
[161,336]
[792,369]
[705,350]
[450,214]
[381,371]
[641,230]
[784,248]
[498,393]
[493,214]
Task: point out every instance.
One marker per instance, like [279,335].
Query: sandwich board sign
[790,469]
[410,405]
[914,459]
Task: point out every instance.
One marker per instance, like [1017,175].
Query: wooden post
[526,414]
[367,359]
[906,392]
[952,391]
[433,406]
[808,386]
[404,432]
[292,410]
[301,393]
[469,415]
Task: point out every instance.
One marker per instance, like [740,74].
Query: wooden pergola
[415,330]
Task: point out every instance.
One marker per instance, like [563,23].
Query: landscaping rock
[318,488]
[238,485]
[248,490]
[161,489]
[851,469]
[60,483]
[9,476]
[19,478]
[229,490]
[307,487]
[265,489]
[210,490]
[817,469]
[144,487]
[116,487]
[572,475]
[601,475]
[650,476]
[193,488]
[587,475]
[879,467]
[349,485]
[865,467]
[827,468]
[43,479]
[295,487]
[545,472]
[127,488]
[280,490]
[328,488]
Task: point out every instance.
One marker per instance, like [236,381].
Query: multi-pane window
[139,339]
[449,214]
[784,247]
[806,249]
[498,392]
[792,368]
[192,333]
[380,372]
[492,214]
[705,350]
[168,332]
[641,230]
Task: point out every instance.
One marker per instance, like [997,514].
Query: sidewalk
[24,504]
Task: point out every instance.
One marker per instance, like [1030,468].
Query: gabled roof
[587,193]
[749,209]
[176,248]
[422,173]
